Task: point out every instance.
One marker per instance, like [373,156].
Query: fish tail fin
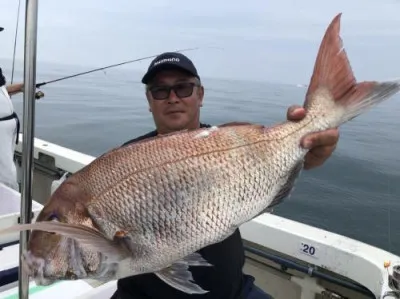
[334,96]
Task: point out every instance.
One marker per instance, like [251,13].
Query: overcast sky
[253,39]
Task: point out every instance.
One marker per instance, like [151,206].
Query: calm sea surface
[356,193]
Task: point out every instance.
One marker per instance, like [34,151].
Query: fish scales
[198,191]
[178,148]
[150,206]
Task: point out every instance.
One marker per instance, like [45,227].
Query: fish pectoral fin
[179,276]
[194,259]
[85,236]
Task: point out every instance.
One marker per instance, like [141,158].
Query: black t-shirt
[223,281]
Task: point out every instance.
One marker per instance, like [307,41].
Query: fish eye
[53,217]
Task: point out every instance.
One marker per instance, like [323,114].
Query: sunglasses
[182,90]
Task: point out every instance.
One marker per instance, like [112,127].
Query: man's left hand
[321,144]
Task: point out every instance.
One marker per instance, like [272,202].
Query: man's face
[181,108]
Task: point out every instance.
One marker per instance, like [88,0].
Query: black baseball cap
[168,61]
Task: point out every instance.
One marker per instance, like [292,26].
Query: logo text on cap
[167,60]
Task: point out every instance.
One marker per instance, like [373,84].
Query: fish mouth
[46,273]
[36,266]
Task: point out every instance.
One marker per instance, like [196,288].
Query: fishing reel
[38,95]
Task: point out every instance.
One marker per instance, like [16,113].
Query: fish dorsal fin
[241,124]
[156,137]
[288,186]
[332,68]
[235,123]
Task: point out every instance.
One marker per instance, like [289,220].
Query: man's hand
[15,88]
[19,87]
[321,144]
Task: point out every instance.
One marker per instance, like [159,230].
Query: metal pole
[31,12]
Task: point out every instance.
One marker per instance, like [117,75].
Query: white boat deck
[288,259]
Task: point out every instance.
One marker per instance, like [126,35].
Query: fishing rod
[15,42]
[38,85]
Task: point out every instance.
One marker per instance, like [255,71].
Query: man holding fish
[161,213]
[175,96]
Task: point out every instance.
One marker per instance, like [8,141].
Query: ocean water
[355,193]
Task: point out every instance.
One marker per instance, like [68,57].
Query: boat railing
[286,263]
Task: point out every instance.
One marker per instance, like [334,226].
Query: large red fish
[149,206]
